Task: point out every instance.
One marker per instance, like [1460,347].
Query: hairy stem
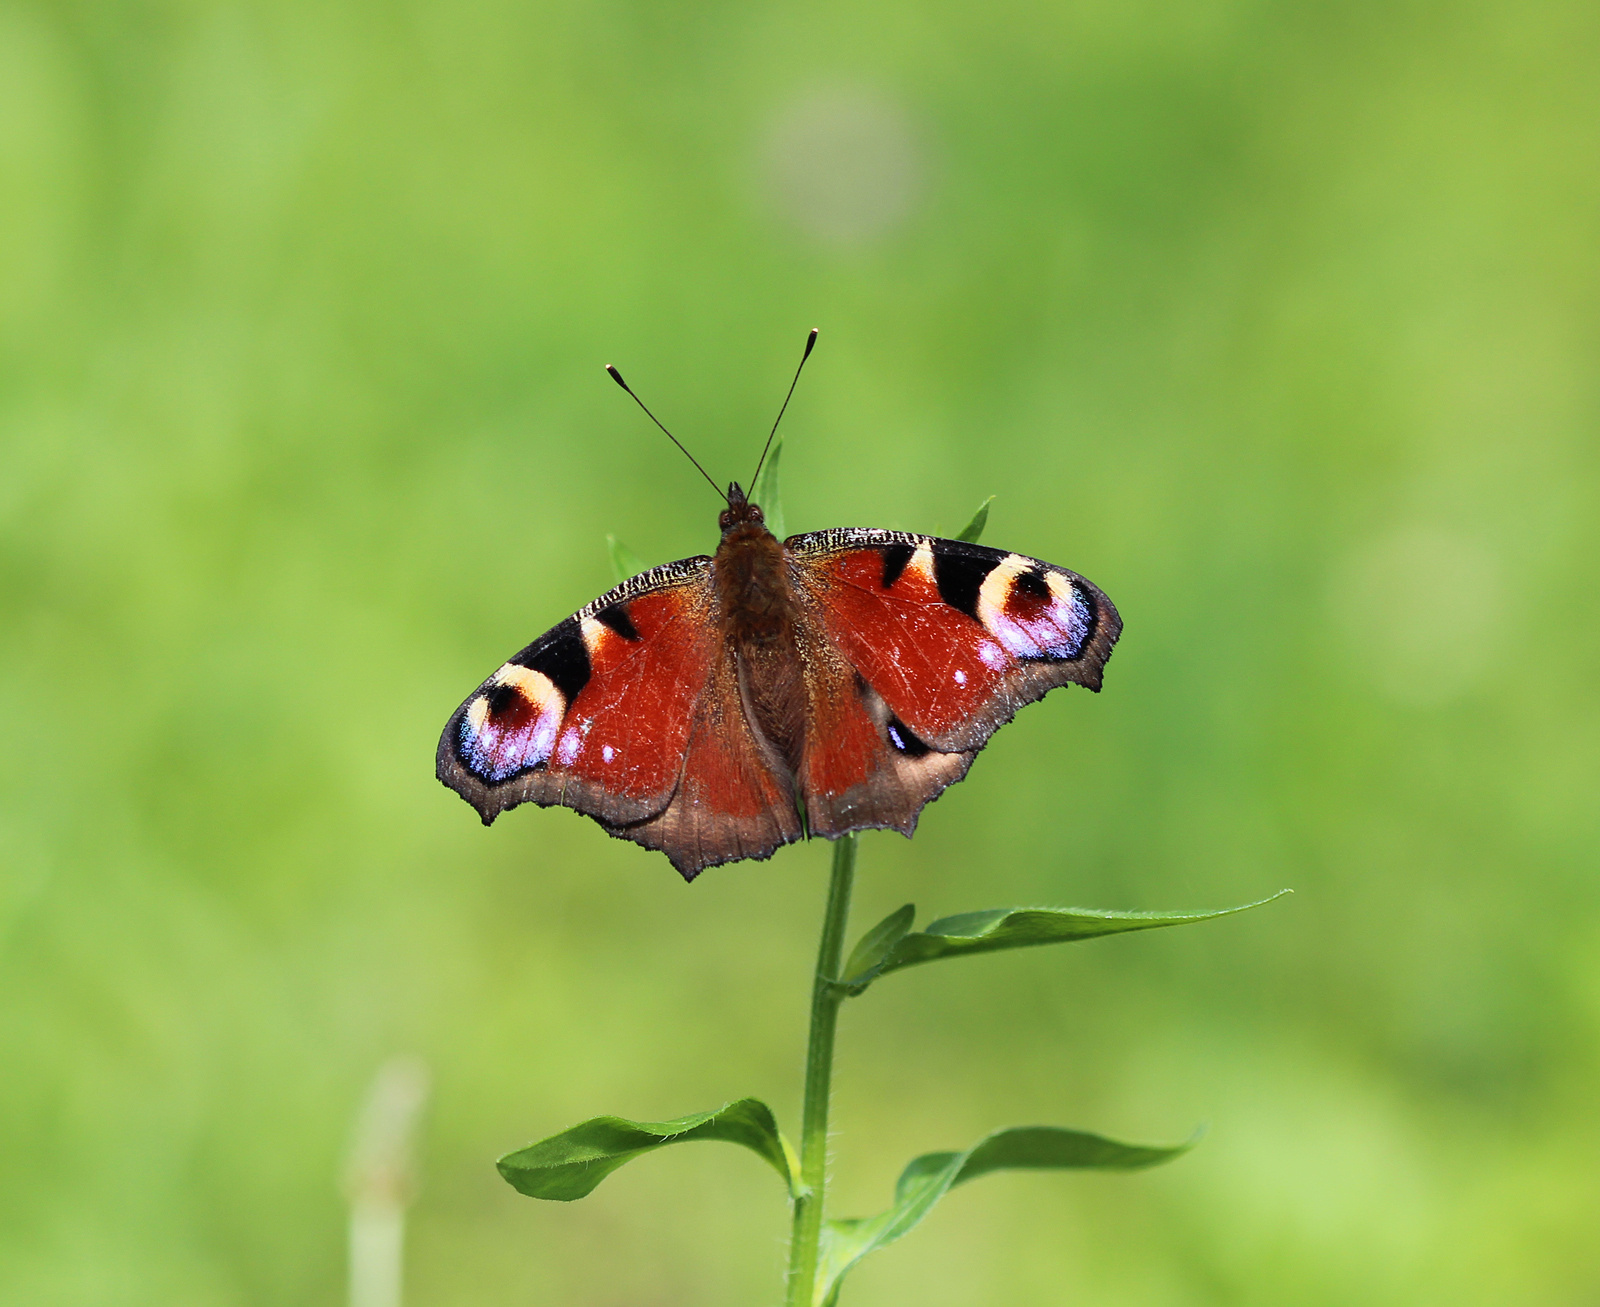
[826,996]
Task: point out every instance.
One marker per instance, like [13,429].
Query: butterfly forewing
[735,798]
[596,713]
[955,636]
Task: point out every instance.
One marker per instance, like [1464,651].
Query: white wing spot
[567,750]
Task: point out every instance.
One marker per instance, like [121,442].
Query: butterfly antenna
[617,377]
[811,341]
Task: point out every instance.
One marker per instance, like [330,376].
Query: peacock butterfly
[719,707]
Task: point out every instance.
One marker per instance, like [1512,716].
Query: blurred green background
[1279,321]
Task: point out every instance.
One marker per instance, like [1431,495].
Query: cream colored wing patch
[512,725]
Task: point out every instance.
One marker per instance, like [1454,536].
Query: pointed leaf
[868,955]
[569,1165]
[974,528]
[624,562]
[765,490]
[1002,928]
[929,1177]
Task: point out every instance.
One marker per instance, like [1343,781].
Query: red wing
[860,767]
[946,641]
[595,713]
[735,799]
[622,713]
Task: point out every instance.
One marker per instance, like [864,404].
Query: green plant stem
[826,995]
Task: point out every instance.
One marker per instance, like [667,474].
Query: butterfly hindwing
[735,798]
[863,767]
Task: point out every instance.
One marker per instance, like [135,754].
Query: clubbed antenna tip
[811,341]
[617,377]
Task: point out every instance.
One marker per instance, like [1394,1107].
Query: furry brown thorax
[757,608]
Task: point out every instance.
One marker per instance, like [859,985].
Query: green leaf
[569,1165]
[765,490]
[868,956]
[1001,928]
[980,519]
[928,1178]
[624,562]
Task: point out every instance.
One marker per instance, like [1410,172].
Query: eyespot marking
[903,740]
[1030,591]
[506,706]
[510,727]
[1034,613]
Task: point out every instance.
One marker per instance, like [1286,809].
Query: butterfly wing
[629,713]
[735,797]
[921,649]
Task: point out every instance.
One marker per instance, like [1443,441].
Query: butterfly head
[740,511]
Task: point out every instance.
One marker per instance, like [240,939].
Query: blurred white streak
[379,1180]
[843,164]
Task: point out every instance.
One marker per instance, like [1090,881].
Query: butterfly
[722,706]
